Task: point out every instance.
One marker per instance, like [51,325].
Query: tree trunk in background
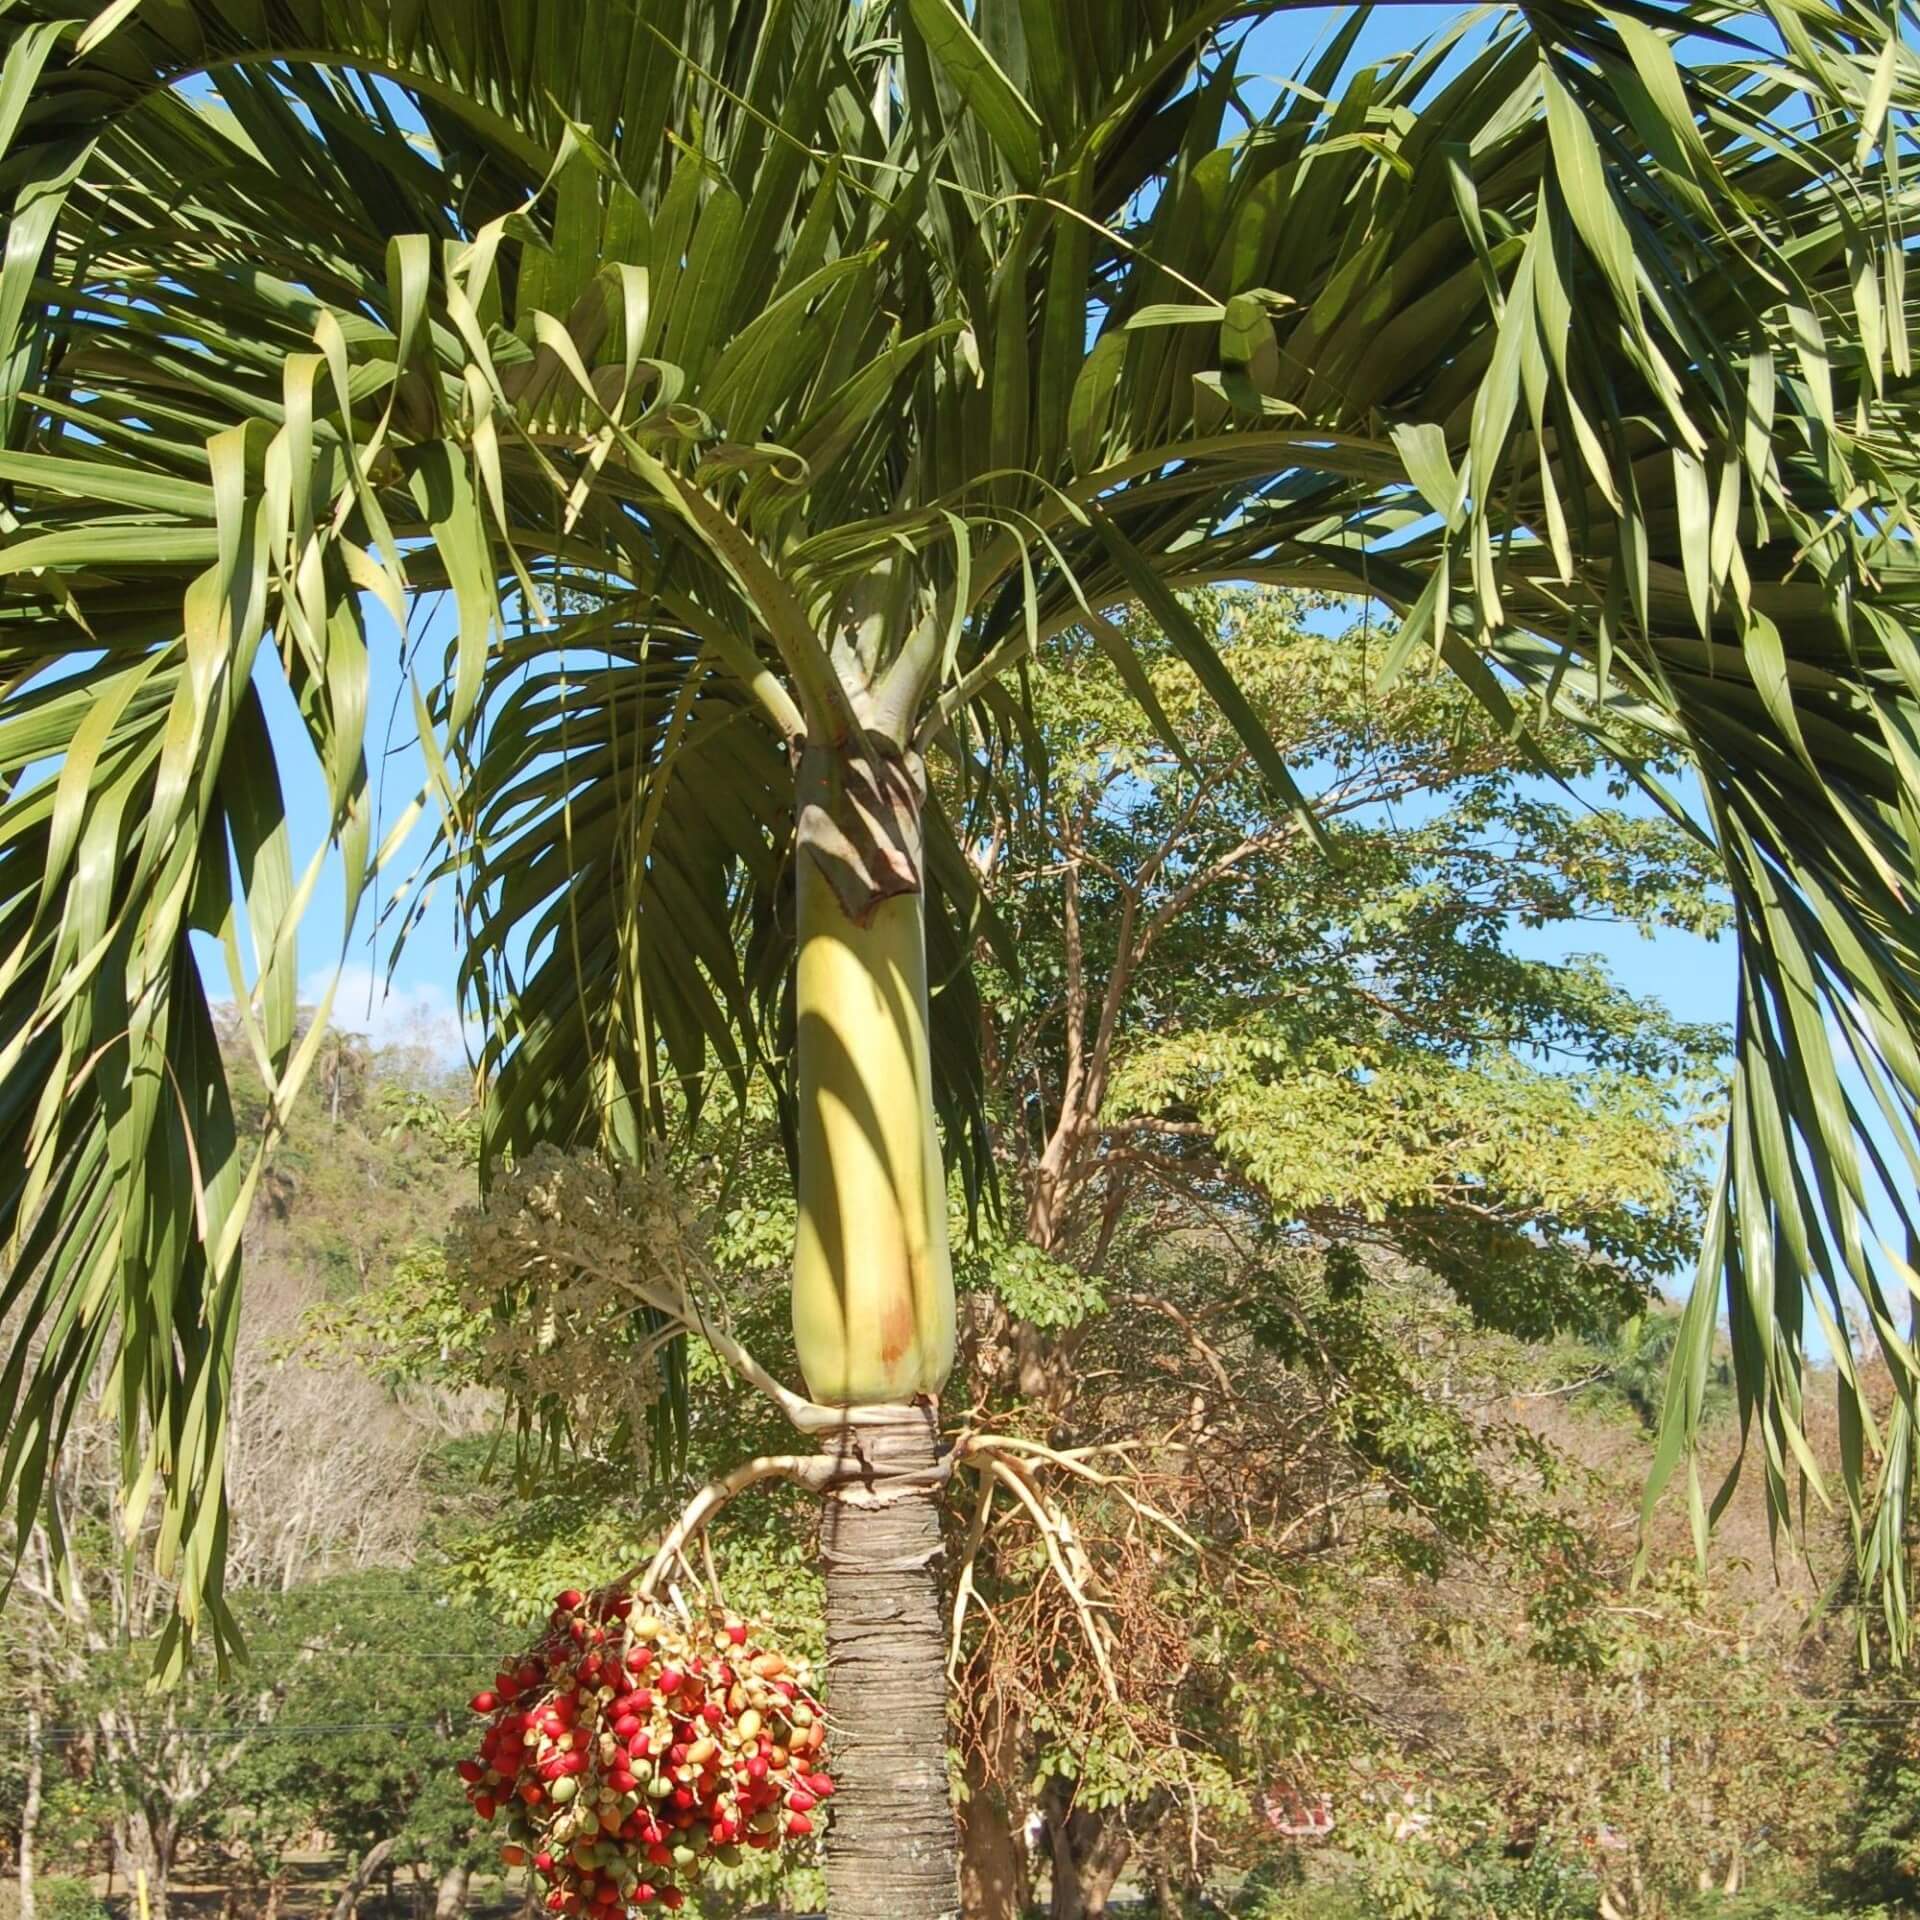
[890,1854]
[1090,1852]
[450,1901]
[143,1843]
[993,1861]
[1165,1899]
[30,1812]
[361,1878]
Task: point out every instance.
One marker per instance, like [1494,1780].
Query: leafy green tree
[373,1668]
[765,388]
[1242,1086]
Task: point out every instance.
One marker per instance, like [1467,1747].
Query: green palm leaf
[818,362]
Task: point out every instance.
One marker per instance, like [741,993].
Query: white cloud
[421,1015]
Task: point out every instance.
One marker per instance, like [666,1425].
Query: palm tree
[764,383]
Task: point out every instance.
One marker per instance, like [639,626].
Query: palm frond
[819,363]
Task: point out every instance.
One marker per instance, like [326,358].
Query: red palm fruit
[543,1862]
[640,1659]
[643,1701]
[621,1781]
[640,1746]
[659,1855]
[483,1702]
[672,1899]
[723,1832]
[485,1806]
[820,1784]
[556,1901]
[626,1726]
[677,1754]
[798,1826]
[643,1894]
[577,1630]
[681,1798]
[589,1671]
[670,1679]
[506,1685]
[713,1713]
[737,1633]
[570,1599]
[531,1674]
[757,1767]
[801,1802]
[471,1771]
[532,1794]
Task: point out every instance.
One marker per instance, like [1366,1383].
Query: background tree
[822,364]
[325,1473]
[1241,1085]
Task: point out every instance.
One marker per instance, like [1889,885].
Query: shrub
[57,1897]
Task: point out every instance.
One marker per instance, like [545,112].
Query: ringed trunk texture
[890,1848]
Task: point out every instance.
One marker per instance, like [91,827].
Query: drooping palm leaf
[816,362]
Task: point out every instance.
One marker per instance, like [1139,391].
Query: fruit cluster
[624,1752]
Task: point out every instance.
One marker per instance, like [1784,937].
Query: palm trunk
[873,1314]
[890,1849]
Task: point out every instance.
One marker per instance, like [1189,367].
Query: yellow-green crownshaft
[873,1305]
